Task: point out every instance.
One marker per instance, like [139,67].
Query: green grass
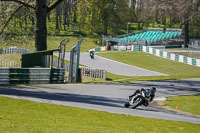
[52,42]
[87,44]
[19,116]
[175,70]
[10,58]
[189,104]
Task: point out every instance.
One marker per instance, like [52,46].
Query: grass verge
[175,70]
[24,116]
[188,104]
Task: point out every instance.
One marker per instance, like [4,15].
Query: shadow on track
[168,85]
[68,97]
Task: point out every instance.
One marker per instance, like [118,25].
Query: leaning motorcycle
[137,100]
[92,55]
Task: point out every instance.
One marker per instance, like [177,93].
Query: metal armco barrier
[31,75]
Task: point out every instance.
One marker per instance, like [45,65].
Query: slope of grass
[21,116]
[88,43]
[189,104]
[175,70]
[52,42]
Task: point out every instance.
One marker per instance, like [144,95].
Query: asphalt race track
[113,66]
[108,97]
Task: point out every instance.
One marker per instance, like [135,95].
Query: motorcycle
[92,54]
[137,100]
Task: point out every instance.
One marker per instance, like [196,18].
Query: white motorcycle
[142,98]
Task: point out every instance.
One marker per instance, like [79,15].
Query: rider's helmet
[153,90]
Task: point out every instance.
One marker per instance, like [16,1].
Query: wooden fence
[12,50]
[31,75]
[6,63]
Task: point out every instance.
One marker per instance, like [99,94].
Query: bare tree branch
[55,3]
[22,3]
[7,22]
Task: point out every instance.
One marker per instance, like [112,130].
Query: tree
[41,11]
[183,10]
[102,16]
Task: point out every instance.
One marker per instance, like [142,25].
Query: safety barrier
[31,75]
[94,73]
[160,53]
[171,56]
[121,48]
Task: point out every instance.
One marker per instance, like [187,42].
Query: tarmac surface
[109,97]
[113,66]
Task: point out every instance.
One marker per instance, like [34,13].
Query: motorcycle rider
[91,54]
[150,93]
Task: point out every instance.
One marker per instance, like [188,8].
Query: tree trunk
[32,23]
[41,29]
[57,19]
[49,17]
[105,30]
[49,14]
[138,25]
[65,14]
[186,30]
[170,21]
[75,17]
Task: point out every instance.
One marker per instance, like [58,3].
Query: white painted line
[162,99]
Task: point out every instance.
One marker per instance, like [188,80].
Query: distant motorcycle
[142,97]
[92,54]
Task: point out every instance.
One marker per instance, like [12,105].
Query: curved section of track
[114,66]
[108,97]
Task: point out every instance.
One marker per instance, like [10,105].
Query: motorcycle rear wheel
[126,104]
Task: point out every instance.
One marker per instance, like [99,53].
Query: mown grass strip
[24,116]
[189,104]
